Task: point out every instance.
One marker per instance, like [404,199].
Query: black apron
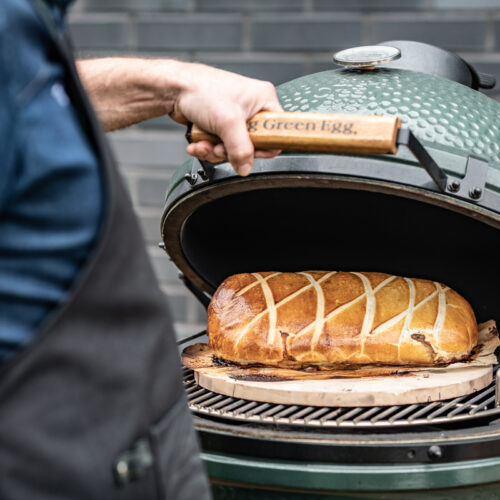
[94,407]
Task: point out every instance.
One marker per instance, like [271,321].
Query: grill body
[448,449]
[441,450]
[351,212]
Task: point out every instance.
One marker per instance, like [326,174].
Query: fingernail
[244,170]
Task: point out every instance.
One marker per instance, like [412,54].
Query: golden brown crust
[317,317]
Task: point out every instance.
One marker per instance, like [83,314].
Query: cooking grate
[484,403]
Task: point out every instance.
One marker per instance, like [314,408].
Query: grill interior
[297,229]
[294,229]
[481,404]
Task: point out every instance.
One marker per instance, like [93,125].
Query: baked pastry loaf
[324,318]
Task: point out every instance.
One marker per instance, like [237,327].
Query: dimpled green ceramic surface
[447,117]
[440,112]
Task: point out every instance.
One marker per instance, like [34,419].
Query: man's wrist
[179,77]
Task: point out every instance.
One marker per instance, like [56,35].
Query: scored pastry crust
[324,318]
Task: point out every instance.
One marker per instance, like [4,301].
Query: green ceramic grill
[431,210]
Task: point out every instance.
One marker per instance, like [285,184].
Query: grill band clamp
[470,188]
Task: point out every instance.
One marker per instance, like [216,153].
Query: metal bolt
[191,178]
[475,193]
[454,186]
[203,174]
[435,452]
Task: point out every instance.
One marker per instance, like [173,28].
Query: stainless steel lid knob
[366,57]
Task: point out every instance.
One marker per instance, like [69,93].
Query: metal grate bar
[403,412]
[316,414]
[193,391]
[330,414]
[302,412]
[271,411]
[222,404]
[349,414]
[209,402]
[365,415]
[245,408]
[202,397]
[384,413]
[258,409]
[444,407]
[479,404]
[481,395]
[234,405]
[483,406]
[189,383]
[286,412]
[470,405]
[423,410]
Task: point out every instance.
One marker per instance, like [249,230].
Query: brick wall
[276,40]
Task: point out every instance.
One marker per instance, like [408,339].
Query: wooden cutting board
[400,388]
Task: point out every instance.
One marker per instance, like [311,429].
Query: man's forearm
[125,91]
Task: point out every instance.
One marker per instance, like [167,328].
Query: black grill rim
[428,447]
[336,172]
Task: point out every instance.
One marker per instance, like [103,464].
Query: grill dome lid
[352,212]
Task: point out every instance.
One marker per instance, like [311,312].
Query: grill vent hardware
[481,404]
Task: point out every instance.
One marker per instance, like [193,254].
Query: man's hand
[128,90]
[221,103]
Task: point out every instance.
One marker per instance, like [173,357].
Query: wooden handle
[319,132]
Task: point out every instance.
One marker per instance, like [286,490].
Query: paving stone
[178,306]
[373,5]
[184,330]
[97,33]
[467,4]
[201,313]
[249,5]
[165,270]
[151,191]
[305,35]
[189,34]
[136,5]
[497,34]
[150,224]
[160,149]
[323,64]
[451,35]
[276,71]
[162,122]
[130,183]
